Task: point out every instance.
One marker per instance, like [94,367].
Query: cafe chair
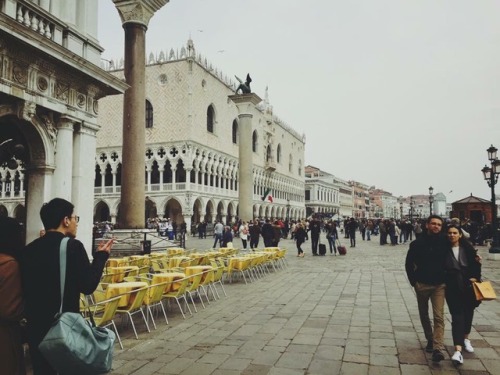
[218,274]
[180,294]
[136,300]
[104,313]
[193,287]
[154,298]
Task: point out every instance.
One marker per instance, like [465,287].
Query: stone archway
[3,211]
[20,213]
[196,218]
[209,212]
[220,213]
[173,211]
[101,212]
[150,209]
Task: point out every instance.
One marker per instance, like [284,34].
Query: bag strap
[62,267]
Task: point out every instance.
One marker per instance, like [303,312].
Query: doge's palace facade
[192,138]
[50,84]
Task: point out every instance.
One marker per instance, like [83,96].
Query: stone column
[246,106]
[83,188]
[39,192]
[187,220]
[135,16]
[64,151]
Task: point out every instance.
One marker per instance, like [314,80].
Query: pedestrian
[227,237]
[331,236]
[218,231]
[351,228]
[300,237]
[462,266]
[369,230]
[425,270]
[244,234]
[254,232]
[362,229]
[315,229]
[267,233]
[40,275]
[11,298]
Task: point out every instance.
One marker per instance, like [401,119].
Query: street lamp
[431,199]
[412,203]
[401,207]
[491,176]
[288,210]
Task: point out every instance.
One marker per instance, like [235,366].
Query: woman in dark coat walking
[462,266]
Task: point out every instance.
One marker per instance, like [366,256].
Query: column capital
[245,103]
[138,11]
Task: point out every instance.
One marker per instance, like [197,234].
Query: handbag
[73,345]
[483,290]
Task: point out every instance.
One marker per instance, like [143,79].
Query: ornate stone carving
[62,92]
[138,11]
[48,121]
[42,84]
[19,74]
[95,107]
[26,110]
[80,100]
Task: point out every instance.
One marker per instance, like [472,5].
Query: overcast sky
[397,94]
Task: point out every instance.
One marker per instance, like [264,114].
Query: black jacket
[425,260]
[41,284]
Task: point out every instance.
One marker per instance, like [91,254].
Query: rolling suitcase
[322,249]
[341,249]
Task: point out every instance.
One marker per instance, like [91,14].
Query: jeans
[218,237]
[331,242]
[436,294]
[368,234]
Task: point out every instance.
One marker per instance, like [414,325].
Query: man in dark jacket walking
[315,229]
[425,270]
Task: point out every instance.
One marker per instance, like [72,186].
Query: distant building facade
[322,195]
[191,157]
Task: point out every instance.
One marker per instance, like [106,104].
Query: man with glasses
[40,274]
[425,270]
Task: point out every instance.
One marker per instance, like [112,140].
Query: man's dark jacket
[41,284]
[425,260]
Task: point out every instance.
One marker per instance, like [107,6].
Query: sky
[401,95]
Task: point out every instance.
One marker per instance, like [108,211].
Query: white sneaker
[468,347]
[457,358]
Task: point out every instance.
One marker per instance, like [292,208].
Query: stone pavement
[354,314]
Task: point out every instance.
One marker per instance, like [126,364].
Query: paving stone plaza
[355,314]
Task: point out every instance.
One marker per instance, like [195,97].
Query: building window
[210,119]
[308,195]
[149,114]
[278,154]
[290,164]
[235,132]
[299,169]
[254,141]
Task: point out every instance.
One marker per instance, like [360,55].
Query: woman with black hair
[11,300]
[462,266]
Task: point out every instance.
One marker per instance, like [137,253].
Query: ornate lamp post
[401,207]
[491,177]
[431,199]
[288,210]
[412,204]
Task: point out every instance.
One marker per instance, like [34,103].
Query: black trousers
[314,243]
[461,306]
